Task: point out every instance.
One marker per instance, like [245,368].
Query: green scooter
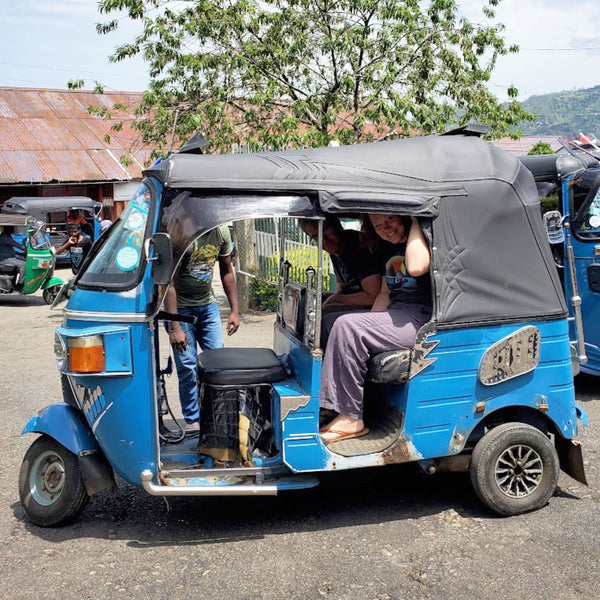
[39,256]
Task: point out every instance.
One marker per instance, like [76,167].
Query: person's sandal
[341,435]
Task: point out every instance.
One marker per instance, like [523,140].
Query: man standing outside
[78,244]
[191,294]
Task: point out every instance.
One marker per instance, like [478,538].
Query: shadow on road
[586,387]
[21,301]
[343,499]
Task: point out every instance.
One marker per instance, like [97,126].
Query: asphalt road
[388,533]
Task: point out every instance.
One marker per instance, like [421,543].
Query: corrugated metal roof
[521,146]
[49,136]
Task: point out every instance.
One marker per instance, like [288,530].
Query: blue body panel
[300,441]
[63,423]
[133,301]
[119,405]
[442,399]
[440,404]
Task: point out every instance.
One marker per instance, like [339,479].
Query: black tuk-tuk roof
[491,261]
[40,206]
[14,220]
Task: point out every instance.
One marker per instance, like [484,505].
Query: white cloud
[45,43]
[552,35]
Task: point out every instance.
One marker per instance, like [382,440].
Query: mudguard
[52,282]
[571,458]
[66,425]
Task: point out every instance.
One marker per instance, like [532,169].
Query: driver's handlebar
[167,316]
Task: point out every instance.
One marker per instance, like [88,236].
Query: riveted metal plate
[514,355]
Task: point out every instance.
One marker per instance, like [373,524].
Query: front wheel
[50,293]
[51,488]
[514,469]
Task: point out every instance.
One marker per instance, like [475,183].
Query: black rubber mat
[384,429]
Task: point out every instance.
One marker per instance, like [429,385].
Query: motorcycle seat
[239,366]
[8,269]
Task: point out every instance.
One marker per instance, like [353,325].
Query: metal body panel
[443,403]
[120,406]
[63,423]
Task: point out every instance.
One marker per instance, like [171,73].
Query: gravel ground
[384,534]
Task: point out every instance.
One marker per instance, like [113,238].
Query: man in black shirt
[78,244]
[357,271]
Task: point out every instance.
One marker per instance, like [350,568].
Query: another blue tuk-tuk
[487,389]
[574,236]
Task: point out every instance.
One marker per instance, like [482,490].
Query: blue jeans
[208,334]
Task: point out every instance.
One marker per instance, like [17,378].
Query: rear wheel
[51,488]
[514,469]
[50,293]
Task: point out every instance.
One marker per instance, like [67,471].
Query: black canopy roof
[41,206]
[490,258]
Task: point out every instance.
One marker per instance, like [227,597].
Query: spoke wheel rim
[47,478]
[519,471]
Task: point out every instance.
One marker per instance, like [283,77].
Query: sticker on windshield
[127,258]
[135,221]
[595,221]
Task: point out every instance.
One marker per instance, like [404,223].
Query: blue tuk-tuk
[574,236]
[487,389]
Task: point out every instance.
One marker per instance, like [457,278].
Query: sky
[47,43]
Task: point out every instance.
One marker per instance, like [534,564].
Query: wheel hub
[518,471]
[47,479]
[54,478]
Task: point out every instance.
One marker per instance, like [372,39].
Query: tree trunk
[245,261]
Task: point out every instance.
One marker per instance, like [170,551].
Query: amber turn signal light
[86,354]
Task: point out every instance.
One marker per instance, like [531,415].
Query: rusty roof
[49,136]
[521,146]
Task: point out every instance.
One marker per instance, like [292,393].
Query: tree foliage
[540,148]
[303,72]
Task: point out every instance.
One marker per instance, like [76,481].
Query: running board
[205,490]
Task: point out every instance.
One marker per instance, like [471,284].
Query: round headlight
[60,352]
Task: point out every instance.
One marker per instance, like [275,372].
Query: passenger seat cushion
[390,367]
[239,366]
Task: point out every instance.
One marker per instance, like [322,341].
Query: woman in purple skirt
[401,308]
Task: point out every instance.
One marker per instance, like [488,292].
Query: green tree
[303,72]
[540,148]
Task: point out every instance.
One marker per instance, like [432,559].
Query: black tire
[50,293]
[51,489]
[502,481]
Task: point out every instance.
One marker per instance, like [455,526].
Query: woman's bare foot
[341,427]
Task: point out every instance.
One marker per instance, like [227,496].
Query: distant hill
[564,112]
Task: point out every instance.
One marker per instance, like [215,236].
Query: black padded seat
[390,367]
[239,366]
[8,269]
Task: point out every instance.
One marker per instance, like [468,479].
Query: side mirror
[162,257]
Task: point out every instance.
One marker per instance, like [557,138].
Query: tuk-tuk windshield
[117,262]
[38,239]
[586,204]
